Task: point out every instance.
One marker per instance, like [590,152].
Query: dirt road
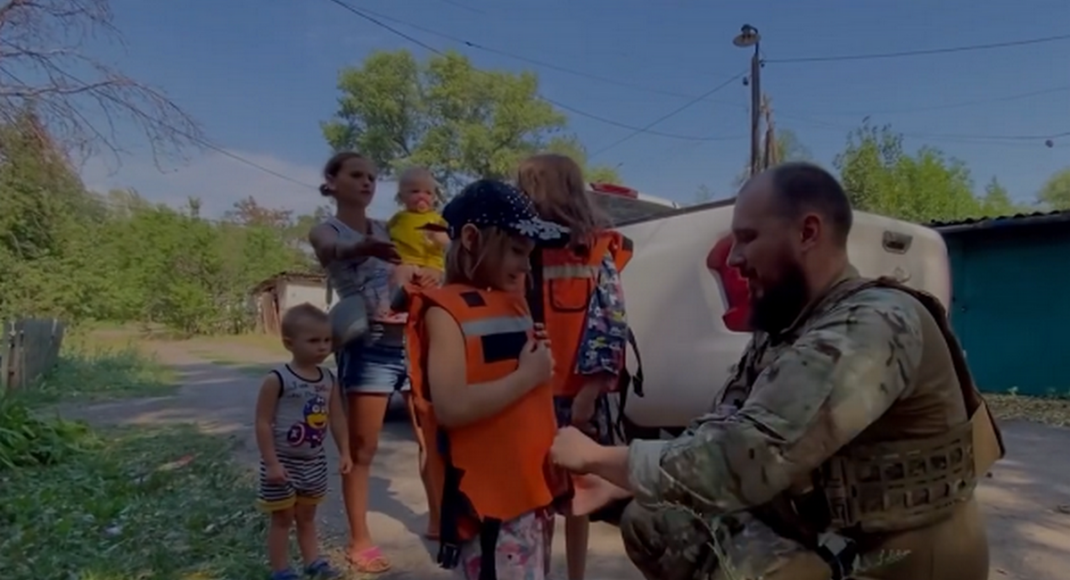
[1027,498]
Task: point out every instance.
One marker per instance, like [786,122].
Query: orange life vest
[496,469]
[566,280]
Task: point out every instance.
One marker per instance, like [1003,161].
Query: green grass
[86,373]
[131,504]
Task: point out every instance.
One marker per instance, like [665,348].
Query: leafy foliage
[882,177]
[1056,191]
[444,114]
[73,254]
[27,440]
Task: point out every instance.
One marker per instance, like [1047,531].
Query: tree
[881,177]
[1056,191]
[997,201]
[788,148]
[444,114]
[249,212]
[43,70]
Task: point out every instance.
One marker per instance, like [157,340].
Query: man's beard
[781,303]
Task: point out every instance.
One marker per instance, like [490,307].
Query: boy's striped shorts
[306,483]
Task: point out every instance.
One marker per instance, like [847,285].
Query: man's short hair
[297,316]
[804,187]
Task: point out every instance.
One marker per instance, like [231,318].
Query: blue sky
[260,75]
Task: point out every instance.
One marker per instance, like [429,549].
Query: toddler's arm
[266,404]
[337,419]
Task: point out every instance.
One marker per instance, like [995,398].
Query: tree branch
[78,99]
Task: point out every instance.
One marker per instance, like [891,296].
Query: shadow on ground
[1030,536]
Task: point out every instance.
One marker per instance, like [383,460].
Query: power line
[527,59]
[949,137]
[922,52]
[250,163]
[946,106]
[198,140]
[471,9]
[378,21]
[673,113]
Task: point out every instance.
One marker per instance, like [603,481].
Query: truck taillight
[736,294]
[612,189]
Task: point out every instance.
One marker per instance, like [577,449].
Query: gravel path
[1027,497]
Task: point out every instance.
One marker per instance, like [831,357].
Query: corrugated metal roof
[1016,220]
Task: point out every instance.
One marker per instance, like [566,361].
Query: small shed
[1010,277]
[274,296]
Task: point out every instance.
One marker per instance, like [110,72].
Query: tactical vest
[912,467]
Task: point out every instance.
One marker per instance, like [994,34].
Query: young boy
[297,403]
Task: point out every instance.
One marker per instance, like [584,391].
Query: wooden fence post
[29,350]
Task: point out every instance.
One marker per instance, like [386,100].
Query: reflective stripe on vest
[505,451]
[496,325]
[569,271]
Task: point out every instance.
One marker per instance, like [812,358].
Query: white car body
[679,297]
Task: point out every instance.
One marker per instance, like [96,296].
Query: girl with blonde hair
[576,292]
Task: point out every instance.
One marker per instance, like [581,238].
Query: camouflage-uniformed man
[849,436]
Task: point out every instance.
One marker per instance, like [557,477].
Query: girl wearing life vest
[481,373]
[359,258]
[576,292]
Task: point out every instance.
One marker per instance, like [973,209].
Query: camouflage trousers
[668,543]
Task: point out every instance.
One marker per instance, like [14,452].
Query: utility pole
[770,154]
[748,36]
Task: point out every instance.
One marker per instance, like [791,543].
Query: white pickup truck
[687,308]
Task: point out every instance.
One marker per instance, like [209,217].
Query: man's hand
[345,464]
[574,451]
[276,473]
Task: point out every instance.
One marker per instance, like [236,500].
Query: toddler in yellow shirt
[418,230]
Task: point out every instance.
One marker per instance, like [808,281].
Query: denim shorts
[373,367]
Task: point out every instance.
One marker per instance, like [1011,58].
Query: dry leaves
[1054,410]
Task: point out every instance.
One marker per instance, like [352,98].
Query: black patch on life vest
[473,299]
[503,346]
[628,245]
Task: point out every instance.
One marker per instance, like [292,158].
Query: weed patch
[1053,409]
[93,374]
[161,504]
[27,440]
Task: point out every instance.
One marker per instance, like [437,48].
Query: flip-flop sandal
[369,561]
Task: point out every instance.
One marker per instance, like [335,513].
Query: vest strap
[489,531]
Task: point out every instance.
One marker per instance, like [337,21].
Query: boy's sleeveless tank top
[371,278]
[301,414]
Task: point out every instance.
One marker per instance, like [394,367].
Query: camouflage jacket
[790,403]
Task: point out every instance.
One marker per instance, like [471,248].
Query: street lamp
[748,36]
